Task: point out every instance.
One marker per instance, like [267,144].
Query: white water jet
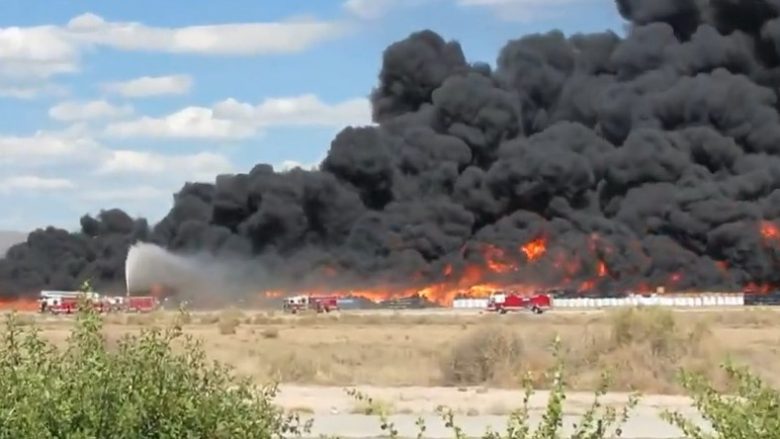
[148,265]
[191,276]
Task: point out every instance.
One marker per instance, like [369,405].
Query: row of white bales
[700,300]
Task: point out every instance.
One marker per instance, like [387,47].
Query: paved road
[350,426]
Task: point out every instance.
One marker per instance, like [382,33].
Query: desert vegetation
[642,348]
[152,375]
[158,382]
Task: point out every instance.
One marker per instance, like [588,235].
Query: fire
[495,259]
[602,270]
[565,268]
[534,249]
[753,287]
[19,305]
[769,231]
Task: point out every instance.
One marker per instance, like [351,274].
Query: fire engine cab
[503,302]
[294,304]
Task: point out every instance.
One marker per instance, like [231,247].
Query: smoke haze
[595,161]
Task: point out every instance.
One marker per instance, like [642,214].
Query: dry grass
[372,406]
[488,354]
[643,347]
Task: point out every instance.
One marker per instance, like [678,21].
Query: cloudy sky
[116,104]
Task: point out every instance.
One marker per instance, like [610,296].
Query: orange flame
[496,260]
[534,249]
[19,305]
[769,231]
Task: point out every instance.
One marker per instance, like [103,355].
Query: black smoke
[655,154]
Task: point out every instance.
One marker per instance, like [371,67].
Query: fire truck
[65,302]
[503,302]
[294,304]
[68,303]
[137,303]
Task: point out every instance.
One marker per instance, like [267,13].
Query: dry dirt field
[643,348]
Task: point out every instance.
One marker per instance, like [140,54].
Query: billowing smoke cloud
[596,162]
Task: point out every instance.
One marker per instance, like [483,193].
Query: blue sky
[117,104]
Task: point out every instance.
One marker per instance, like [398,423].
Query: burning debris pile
[592,162]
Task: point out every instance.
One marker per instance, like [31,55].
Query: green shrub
[753,411]
[142,388]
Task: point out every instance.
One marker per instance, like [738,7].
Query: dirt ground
[642,349]
[468,401]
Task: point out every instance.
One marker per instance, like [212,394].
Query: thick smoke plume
[594,162]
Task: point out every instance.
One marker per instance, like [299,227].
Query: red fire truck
[294,304]
[503,302]
[69,303]
[140,303]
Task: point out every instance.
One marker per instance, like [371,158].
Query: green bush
[752,411]
[140,389]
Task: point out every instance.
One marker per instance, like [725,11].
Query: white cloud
[151,86]
[306,109]
[521,10]
[73,153]
[46,148]
[140,182]
[373,9]
[288,165]
[369,9]
[190,123]
[128,194]
[75,111]
[219,39]
[34,183]
[198,166]
[39,52]
[36,52]
[27,91]
[231,119]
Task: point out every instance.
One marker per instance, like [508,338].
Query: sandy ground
[477,409]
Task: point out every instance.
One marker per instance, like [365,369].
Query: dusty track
[477,409]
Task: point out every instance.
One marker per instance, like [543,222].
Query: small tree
[753,412]
[142,388]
